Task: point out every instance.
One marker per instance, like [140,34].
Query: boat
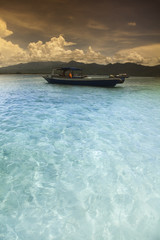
[74,76]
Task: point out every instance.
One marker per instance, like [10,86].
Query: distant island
[132,69]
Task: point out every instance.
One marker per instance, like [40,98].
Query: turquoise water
[79,162]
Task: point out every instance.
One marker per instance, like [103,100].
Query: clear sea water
[79,163]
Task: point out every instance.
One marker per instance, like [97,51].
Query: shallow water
[79,162]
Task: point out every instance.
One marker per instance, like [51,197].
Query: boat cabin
[67,72]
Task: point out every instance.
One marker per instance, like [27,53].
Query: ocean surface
[79,163]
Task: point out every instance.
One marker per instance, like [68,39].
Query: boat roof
[69,68]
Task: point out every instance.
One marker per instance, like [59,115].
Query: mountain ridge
[132,69]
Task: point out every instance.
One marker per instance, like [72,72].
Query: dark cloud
[102,24]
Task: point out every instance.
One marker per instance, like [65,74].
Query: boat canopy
[69,69]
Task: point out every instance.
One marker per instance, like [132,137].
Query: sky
[99,31]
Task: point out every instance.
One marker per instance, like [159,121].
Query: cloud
[132,24]
[53,50]
[152,50]
[58,49]
[102,25]
[11,54]
[96,25]
[147,55]
[128,56]
[4,32]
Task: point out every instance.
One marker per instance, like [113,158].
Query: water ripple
[79,163]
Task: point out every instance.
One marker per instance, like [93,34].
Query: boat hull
[97,82]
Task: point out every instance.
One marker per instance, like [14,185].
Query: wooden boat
[73,76]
